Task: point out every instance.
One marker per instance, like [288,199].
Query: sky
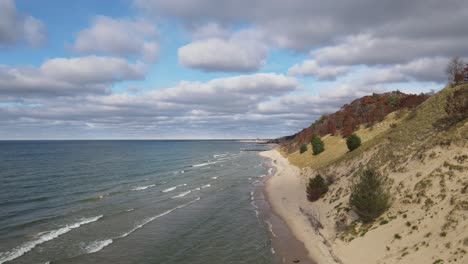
[210,69]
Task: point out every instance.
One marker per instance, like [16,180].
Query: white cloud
[15,26]
[210,30]
[119,37]
[371,50]
[67,76]
[312,68]
[92,69]
[243,51]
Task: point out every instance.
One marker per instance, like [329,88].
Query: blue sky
[206,69]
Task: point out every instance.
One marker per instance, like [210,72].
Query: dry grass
[335,146]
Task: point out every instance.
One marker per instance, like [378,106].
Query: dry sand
[286,194]
[432,226]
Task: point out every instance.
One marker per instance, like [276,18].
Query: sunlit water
[131,202]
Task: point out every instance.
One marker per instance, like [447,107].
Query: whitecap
[169,189]
[214,178]
[140,188]
[182,194]
[206,186]
[44,237]
[220,155]
[98,245]
[203,164]
[148,220]
[270,228]
[173,188]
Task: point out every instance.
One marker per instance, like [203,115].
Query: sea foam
[182,194]
[140,188]
[98,245]
[150,219]
[173,188]
[203,164]
[44,237]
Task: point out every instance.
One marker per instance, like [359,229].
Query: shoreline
[285,247]
[285,194]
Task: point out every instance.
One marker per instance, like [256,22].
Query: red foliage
[366,110]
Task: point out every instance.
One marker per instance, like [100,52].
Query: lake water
[131,202]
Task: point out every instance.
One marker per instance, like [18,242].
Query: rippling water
[131,202]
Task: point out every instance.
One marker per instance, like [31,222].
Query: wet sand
[285,246]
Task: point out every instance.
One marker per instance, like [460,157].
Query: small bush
[353,142]
[317,145]
[316,188]
[303,148]
[384,222]
[370,195]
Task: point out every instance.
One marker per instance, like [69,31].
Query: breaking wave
[44,237]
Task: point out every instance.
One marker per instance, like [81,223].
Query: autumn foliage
[367,110]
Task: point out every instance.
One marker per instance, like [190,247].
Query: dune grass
[400,131]
[335,146]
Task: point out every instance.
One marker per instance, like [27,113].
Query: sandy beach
[285,191]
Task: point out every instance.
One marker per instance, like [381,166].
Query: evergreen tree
[316,188]
[370,195]
[303,148]
[317,145]
[353,142]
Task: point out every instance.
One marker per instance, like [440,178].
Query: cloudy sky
[83,69]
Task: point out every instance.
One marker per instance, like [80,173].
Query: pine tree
[317,145]
[370,195]
[353,142]
[303,148]
[316,188]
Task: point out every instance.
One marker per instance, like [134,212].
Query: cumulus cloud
[15,26]
[67,76]
[223,105]
[312,68]
[243,51]
[370,50]
[420,70]
[209,30]
[119,37]
[306,24]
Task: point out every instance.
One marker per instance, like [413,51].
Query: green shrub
[316,188]
[303,148]
[317,145]
[370,195]
[353,142]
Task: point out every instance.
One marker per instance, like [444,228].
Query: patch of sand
[427,222]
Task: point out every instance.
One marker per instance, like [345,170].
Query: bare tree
[454,70]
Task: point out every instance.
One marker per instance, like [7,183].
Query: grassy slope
[430,189]
[335,146]
[412,130]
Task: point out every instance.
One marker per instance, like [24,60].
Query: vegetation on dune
[303,148]
[353,142]
[316,188]
[317,144]
[370,195]
[454,70]
[430,124]
[368,110]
